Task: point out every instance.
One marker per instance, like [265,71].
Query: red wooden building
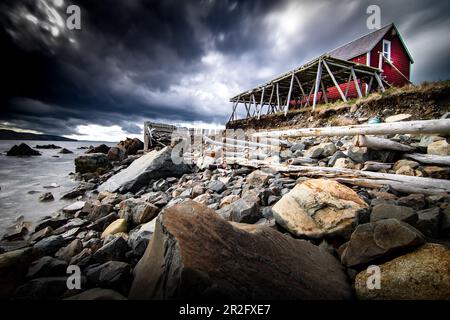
[383,49]
[355,69]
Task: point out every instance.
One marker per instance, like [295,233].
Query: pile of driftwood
[259,151]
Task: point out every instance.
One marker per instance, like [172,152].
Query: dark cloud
[180,60]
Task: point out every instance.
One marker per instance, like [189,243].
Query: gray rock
[415,201]
[44,288]
[92,162]
[50,245]
[101,224]
[428,222]
[298,147]
[112,274]
[216,186]
[71,250]
[114,250]
[386,211]
[358,154]
[13,268]
[53,223]
[47,196]
[335,156]
[244,210]
[47,267]
[153,165]
[374,240]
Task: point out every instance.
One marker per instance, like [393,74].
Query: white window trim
[368,58]
[389,57]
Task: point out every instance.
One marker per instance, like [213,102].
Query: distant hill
[14,135]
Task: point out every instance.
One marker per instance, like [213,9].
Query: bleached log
[376,166]
[399,182]
[301,160]
[438,126]
[429,158]
[376,143]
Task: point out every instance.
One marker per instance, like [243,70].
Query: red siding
[399,59]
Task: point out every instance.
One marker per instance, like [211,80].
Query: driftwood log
[429,158]
[402,183]
[376,143]
[440,126]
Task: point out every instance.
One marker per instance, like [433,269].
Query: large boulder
[93,162]
[117,154]
[318,208]
[22,150]
[153,165]
[440,147]
[231,261]
[386,211]
[131,146]
[379,239]
[103,148]
[420,275]
[13,268]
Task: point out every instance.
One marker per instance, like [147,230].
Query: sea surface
[24,179]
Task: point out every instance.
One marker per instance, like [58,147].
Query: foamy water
[21,175]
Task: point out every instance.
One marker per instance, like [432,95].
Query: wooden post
[369,86]
[380,83]
[324,92]
[334,81]
[278,97]
[146,136]
[270,107]
[355,79]
[316,88]
[348,85]
[289,94]
[261,103]
[256,105]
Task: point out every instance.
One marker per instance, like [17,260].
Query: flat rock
[46,267]
[387,211]
[319,207]
[371,241]
[419,275]
[153,165]
[50,245]
[231,261]
[74,207]
[398,117]
[112,251]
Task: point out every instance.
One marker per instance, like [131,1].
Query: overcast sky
[179,61]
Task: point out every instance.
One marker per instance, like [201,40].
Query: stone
[228,200]
[223,260]
[131,146]
[120,225]
[205,162]
[117,154]
[440,148]
[319,207]
[258,178]
[38,235]
[387,211]
[406,171]
[65,151]
[47,267]
[216,186]
[97,210]
[74,207]
[374,240]
[97,294]
[102,223]
[47,196]
[47,146]
[103,148]
[436,172]
[22,150]
[13,268]
[415,201]
[244,210]
[398,117]
[46,288]
[137,211]
[203,199]
[298,147]
[114,250]
[314,152]
[152,165]
[80,190]
[139,240]
[328,149]
[93,162]
[53,223]
[50,245]
[428,222]
[402,163]
[337,155]
[111,274]
[197,190]
[419,275]
[358,154]
[344,163]
[71,250]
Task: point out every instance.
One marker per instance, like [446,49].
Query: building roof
[364,44]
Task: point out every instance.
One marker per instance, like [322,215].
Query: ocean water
[21,175]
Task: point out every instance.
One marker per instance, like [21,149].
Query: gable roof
[365,44]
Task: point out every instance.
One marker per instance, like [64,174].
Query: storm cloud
[180,61]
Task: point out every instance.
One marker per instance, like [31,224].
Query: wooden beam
[324,92]
[355,79]
[380,144]
[317,83]
[289,94]
[334,81]
[278,97]
[369,86]
[429,158]
[261,103]
[348,85]
[439,126]
[380,83]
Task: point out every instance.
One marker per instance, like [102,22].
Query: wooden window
[387,49]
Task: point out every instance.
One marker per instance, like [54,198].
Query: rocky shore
[143,227]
